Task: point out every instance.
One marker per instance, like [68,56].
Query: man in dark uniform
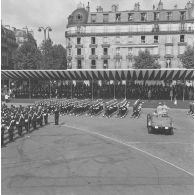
[45,114]
[57,114]
[3,125]
[11,129]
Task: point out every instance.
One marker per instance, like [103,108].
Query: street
[85,155]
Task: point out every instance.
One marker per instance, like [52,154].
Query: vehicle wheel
[171,131]
[149,130]
[148,117]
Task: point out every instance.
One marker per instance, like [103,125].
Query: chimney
[160,5]
[136,6]
[99,9]
[114,8]
[88,7]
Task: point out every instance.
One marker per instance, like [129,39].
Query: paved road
[101,156]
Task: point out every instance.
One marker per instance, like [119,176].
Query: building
[24,35]
[110,39]
[8,46]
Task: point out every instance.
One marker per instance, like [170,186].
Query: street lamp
[48,28]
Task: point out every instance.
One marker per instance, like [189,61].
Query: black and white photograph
[97,97]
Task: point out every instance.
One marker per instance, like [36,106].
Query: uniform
[56,115]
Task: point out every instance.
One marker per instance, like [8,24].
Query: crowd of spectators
[106,91]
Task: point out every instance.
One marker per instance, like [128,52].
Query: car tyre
[171,131]
[149,129]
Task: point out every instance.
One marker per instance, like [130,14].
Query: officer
[11,129]
[56,115]
[45,114]
[34,120]
[26,121]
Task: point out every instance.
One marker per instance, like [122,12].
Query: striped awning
[115,74]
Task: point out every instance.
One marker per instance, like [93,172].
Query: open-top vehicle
[159,123]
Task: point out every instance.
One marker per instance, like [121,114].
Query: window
[143,39]
[155,39]
[78,40]
[130,17]
[169,50]
[92,40]
[118,39]
[79,17]
[182,27]
[105,17]
[181,49]
[182,15]
[105,64]
[105,40]
[130,51]
[143,16]
[79,65]
[156,16]
[130,39]
[93,18]
[78,51]
[117,51]
[181,38]
[105,51]
[169,15]
[92,51]
[118,63]
[69,52]
[93,64]
[118,17]
[168,63]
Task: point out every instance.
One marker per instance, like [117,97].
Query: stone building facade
[110,39]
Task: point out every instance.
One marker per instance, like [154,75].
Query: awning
[113,74]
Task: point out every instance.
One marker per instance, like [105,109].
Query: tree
[28,56]
[54,55]
[145,61]
[187,58]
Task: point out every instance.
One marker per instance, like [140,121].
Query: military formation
[16,121]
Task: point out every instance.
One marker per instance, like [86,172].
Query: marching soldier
[11,129]
[26,121]
[45,114]
[3,126]
[56,114]
[34,120]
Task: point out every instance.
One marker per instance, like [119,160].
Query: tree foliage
[28,56]
[145,60]
[187,58]
[54,55]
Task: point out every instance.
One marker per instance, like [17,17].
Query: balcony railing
[93,45]
[79,57]
[93,57]
[146,31]
[105,57]
[118,56]
[79,46]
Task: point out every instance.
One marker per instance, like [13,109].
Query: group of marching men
[18,120]
[91,107]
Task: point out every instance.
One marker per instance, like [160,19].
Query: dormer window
[93,18]
[79,17]
[118,17]
[130,17]
[143,16]
[182,15]
[169,15]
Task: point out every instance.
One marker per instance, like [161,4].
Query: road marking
[159,143]
[129,145]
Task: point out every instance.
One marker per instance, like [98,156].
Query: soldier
[45,114]
[57,114]
[34,120]
[3,125]
[11,129]
[26,121]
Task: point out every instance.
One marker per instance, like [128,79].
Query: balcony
[93,45]
[79,57]
[69,58]
[182,44]
[168,56]
[168,44]
[93,66]
[129,57]
[105,57]
[79,46]
[117,57]
[105,45]
[93,57]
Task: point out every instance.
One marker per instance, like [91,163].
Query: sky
[54,13]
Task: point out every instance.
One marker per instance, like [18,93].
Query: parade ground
[100,156]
